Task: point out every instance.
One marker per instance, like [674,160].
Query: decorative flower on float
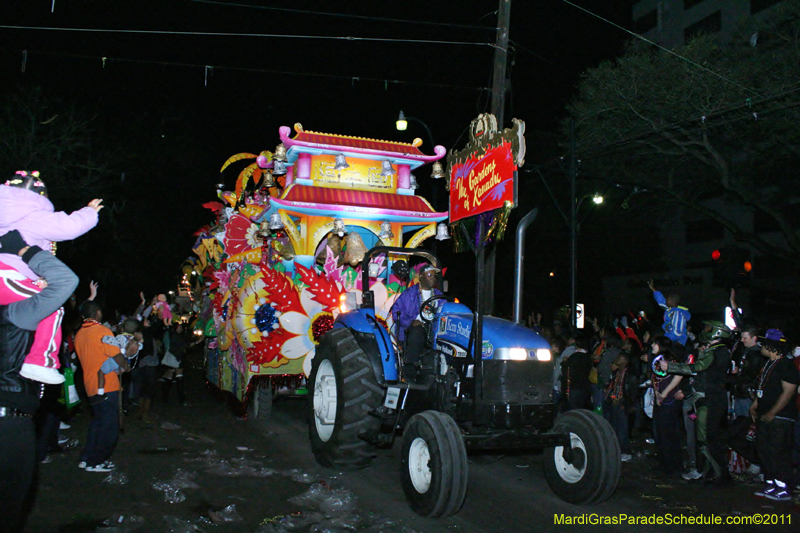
[255,317]
[319,299]
[241,235]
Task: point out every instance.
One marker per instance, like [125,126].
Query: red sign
[482,183]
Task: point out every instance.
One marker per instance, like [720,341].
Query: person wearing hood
[25,207]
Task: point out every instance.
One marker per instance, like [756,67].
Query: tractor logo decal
[451,350]
[487,351]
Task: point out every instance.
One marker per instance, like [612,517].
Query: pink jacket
[33,215]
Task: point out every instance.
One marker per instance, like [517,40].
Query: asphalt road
[183,473]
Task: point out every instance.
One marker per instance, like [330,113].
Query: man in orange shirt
[92,352]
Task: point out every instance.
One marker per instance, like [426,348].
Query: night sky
[175,122]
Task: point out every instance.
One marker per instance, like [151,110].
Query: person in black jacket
[575,384]
[749,362]
[19,397]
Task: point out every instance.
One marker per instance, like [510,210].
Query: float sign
[482,177]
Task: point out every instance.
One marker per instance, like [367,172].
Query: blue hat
[775,335]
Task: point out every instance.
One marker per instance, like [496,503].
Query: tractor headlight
[522,354]
[511,354]
[347,302]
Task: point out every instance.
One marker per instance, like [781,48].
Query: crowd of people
[719,402]
[45,335]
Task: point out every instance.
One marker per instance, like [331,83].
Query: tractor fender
[374,340]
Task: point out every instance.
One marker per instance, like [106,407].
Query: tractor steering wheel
[427,311]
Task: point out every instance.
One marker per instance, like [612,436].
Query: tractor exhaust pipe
[519,253]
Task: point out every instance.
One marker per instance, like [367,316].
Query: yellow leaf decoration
[244,177]
[257,176]
[237,157]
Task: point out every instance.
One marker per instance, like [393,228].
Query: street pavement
[200,467]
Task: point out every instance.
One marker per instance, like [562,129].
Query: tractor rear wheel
[434,465]
[259,407]
[589,472]
[343,390]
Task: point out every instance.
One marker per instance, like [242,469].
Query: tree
[721,120]
[38,132]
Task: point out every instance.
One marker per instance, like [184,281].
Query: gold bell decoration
[269,181]
[285,249]
[334,242]
[280,153]
[437,172]
[355,250]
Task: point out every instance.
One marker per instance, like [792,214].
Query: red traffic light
[748,266]
[715,255]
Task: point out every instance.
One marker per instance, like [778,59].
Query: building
[671,23]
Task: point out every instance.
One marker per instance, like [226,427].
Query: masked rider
[405,311]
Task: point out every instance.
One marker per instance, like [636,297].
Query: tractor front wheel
[587,472]
[434,465]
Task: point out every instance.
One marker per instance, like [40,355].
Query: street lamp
[402,125]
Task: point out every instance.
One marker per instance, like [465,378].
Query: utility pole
[573,226]
[497,109]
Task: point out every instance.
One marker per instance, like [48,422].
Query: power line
[346,15]
[107,60]
[230,34]
[636,35]
[553,63]
[706,120]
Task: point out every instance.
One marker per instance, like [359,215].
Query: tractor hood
[455,325]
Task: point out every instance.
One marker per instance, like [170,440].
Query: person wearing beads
[774,410]
[19,397]
[24,206]
[667,410]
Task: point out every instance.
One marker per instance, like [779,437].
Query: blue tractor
[363,397]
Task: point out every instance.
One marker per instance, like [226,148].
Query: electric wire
[636,35]
[232,34]
[112,59]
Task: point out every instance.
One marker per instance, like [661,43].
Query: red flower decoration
[282,291]
[269,348]
[325,291]
[237,239]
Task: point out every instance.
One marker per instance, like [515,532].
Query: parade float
[283,255]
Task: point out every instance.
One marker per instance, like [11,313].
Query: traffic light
[731,267]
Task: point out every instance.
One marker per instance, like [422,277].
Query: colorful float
[282,257]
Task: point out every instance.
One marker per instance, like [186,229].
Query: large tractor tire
[259,407]
[343,390]
[592,472]
[434,465]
